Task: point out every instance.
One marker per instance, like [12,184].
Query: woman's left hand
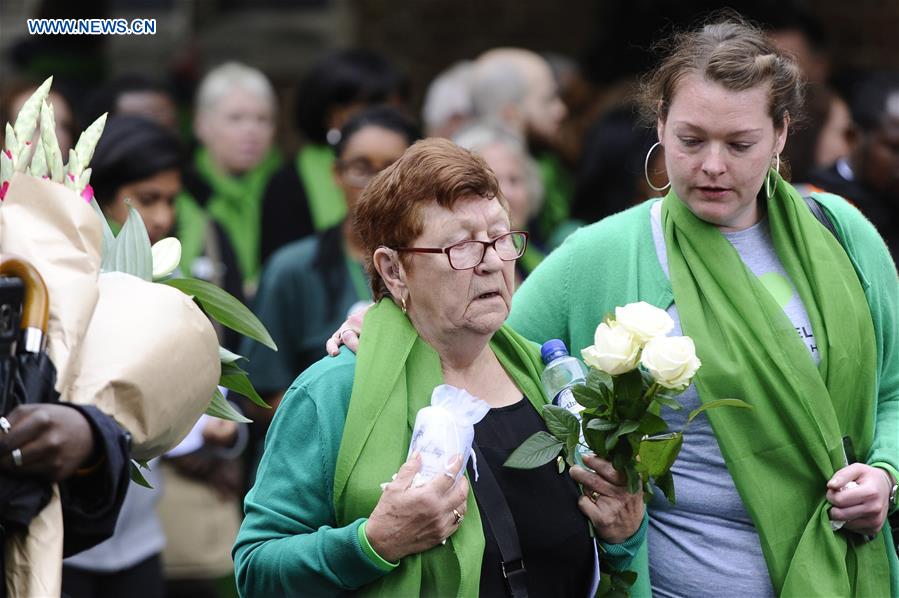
[616,513]
[863,507]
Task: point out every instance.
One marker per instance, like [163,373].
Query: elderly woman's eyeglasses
[465,255]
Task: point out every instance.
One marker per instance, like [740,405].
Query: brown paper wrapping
[142,352]
[149,359]
[60,234]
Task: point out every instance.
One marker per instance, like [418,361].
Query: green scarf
[782,452]
[235,203]
[327,205]
[395,374]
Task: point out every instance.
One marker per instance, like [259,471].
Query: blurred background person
[610,176]
[197,486]
[310,286]
[136,95]
[869,176]
[302,197]
[447,105]
[219,211]
[515,87]
[519,180]
[822,137]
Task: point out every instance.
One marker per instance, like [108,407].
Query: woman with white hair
[218,213]
[519,179]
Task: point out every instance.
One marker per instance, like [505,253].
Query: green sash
[782,452]
[315,164]
[235,203]
[395,374]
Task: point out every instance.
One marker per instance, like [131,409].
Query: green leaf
[107,251]
[629,394]
[241,383]
[657,454]
[132,248]
[633,478]
[718,403]
[627,427]
[539,449]
[221,408]
[651,424]
[599,381]
[232,369]
[226,309]
[587,397]
[226,356]
[668,401]
[601,425]
[136,476]
[666,485]
[559,421]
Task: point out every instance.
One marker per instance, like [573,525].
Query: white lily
[166,257]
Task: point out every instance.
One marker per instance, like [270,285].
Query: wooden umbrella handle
[36,310]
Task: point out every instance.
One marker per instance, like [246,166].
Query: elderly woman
[440,254]
[518,176]
[219,212]
[796,320]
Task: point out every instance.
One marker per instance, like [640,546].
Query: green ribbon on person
[235,203]
[396,371]
[327,204]
[782,452]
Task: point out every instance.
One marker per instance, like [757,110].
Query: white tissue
[443,430]
[837,524]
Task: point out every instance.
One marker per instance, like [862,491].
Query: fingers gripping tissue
[443,430]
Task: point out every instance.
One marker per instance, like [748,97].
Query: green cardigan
[614,262]
[289,542]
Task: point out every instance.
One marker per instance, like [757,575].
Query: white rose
[671,360]
[166,256]
[643,320]
[615,351]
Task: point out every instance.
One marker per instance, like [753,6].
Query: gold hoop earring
[768,190]
[403,303]
[646,169]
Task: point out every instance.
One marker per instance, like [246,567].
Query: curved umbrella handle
[36,310]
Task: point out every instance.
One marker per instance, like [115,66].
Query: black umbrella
[26,376]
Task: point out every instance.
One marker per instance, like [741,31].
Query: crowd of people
[737,164]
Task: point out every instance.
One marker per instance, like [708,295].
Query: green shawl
[395,374]
[235,203]
[315,167]
[782,452]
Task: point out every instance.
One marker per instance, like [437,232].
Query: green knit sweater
[614,262]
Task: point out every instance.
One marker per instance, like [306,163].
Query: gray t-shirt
[706,544]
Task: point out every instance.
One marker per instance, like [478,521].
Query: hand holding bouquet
[635,370]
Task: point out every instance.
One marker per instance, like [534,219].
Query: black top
[286,215]
[555,542]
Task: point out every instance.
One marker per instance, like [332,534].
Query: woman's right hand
[410,520]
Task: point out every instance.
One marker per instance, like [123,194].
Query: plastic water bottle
[561,373]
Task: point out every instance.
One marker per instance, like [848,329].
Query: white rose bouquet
[635,369]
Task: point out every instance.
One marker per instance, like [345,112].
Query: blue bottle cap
[553,349]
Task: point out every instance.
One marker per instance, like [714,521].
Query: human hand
[410,520]
[53,441]
[347,334]
[219,432]
[616,513]
[863,507]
